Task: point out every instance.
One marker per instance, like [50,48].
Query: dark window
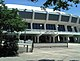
[74,19]
[54,17]
[64,18]
[75,29]
[50,27]
[38,26]
[61,28]
[69,28]
[27,15]
[29,26]
[41,16]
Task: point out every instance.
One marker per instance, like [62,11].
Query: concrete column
[74,39]
[32,19]
[78,29]
[56,27]
[77,39]
[50,39]
[59,17]
[46,20]
[66,28]
[45,26]
[37,39]
[31,26]
[47,16]
[70,18]
[67,39]
[33,15]
[58,38]
[78,20]
[73,28]
[53,39]
[64,40]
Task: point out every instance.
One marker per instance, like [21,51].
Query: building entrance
[71,39]
[45,39]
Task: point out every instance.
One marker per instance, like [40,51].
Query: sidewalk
[72,53]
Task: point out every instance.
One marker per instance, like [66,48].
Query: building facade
[48,26]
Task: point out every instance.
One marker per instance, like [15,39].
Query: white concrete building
[48,26]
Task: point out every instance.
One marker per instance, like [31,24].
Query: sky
[73,10]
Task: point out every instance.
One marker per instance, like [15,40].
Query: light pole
[25,29]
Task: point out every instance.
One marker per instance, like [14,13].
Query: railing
[38,31]
[28,45]
[49,45]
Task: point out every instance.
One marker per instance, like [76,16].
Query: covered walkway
[42,36]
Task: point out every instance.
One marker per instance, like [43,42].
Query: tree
[9,21]
[59,4]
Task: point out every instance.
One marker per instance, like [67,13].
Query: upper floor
[48,19]
[33,14]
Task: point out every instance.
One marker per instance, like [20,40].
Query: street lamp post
[25,29]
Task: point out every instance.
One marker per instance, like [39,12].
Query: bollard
[27,48]
[32,47]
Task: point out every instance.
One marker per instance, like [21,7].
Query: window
[69,28]
[50,27]
[41,16]
[74,20]
[61,28]
[64,18]
[38,26]
[54,17]
[27,15]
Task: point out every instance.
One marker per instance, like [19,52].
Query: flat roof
[33,8]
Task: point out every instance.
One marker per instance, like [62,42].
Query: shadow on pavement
[46,60]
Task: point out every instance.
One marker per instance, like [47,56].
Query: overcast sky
[73,10]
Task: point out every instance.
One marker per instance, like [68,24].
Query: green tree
[59,4]
[9,21]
